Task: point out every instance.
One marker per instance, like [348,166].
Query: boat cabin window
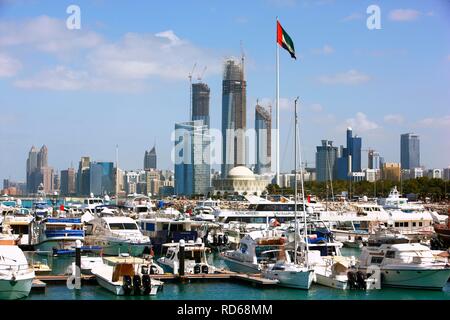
[55,227]
[123,226]
[376,260]
[195,255]
[18,229]
[420,224]
[414,224]
[243,247]
[390,254]
[170,255]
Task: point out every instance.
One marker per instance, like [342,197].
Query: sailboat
[294,274]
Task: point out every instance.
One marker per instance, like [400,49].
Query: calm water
[225,290]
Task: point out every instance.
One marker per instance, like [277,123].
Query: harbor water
[226,290]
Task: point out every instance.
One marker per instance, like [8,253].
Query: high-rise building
[409,151]
[46,178]
[326,157]
[200,102]
[350,157]
[42,157]
[101,179]
[373,159]
[150,159]
[391,171]
[234,89]
[83,176]
[263,128]
[68,186]
[31,170]
[446,173]
[192,158]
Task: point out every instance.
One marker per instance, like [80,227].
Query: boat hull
[292,279]
[413,278]
[118,290]
[19,290]
[330,282]
[60,244]
[239,266]
[116,248]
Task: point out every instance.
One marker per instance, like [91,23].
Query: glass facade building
[192,158]
[326,160]
[409,151]
[263,128]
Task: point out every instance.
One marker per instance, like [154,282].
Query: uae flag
[285,41]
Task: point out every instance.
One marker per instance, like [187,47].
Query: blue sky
[123,78]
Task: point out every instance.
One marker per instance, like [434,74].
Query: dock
[40,282]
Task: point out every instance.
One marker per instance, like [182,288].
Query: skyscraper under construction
[234,89]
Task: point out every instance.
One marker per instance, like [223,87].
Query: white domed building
[241,180]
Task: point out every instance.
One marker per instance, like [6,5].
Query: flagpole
[278,112]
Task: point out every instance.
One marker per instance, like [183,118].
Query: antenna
[200,76]
[190,90]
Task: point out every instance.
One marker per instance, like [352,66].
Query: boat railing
[20,268]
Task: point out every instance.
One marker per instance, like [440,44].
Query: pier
[40,282]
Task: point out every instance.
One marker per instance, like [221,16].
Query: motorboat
[19,222]
[195,260]
[406,265]
[59,235]
[126,275]
[116,235]
[41,208]
[16,275]
[257,250]
[138,205]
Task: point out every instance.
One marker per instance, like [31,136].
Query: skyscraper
[192,158]
[200,102]
[31,170]
[83,179]
[150,159]
[326,156]
[68,186]
[373,161]
[42,157]
[233,116]
[409,151]
[350,157]
[263,128]
[101,176]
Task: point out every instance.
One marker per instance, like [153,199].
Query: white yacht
[16,275]
[59,235]
[257,250]
[395,202]
[139,204]
[116,235]
[406,265]
[125,275]
[195,260]
[90,204]
[19,222]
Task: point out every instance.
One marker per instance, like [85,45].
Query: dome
[240,172]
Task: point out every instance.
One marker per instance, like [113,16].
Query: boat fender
[126,284]
[146,284]
[137,283]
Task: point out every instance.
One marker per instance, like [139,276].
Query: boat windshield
[123,226]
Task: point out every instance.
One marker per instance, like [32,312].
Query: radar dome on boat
[106,197]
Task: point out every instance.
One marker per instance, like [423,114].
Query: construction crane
[190,90]
[200,76]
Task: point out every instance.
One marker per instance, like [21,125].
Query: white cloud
[59,78]
[316,107]
[8,65]
[404,14]
[97,64]
[435,122]
[394,118]
[352,17]
[351,77]
[325,50]
[46,34]
[361,123]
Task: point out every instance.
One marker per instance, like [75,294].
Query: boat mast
[295,181]
[305,233]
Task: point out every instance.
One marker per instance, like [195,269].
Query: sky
[122,78]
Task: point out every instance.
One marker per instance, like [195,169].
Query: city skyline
[383,91]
